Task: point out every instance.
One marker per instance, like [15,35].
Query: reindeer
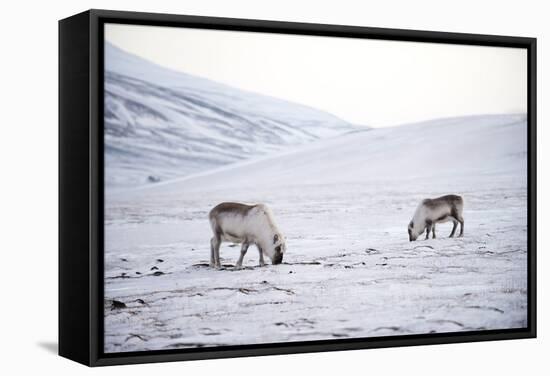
[245,224]
[437,210]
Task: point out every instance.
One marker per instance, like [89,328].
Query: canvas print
[274,188]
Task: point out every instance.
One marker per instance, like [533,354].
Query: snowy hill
[163,124]
[451,149]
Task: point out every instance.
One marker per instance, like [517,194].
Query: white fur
[256,227]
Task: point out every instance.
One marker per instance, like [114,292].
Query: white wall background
[28,165]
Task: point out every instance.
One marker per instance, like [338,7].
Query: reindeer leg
[212,259]
[455,224]
[215,243]
[262,262]
[244,248]
[433,231]
[461,220]
[429,224]
[458,216]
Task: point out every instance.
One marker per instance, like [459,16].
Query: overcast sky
[370,82]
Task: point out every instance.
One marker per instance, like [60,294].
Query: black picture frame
[81,186]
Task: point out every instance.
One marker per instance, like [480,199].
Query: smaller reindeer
[436,210]
[245,224]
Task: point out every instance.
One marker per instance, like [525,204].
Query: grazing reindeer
[431,211]
[246,224]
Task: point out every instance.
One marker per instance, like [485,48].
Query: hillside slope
[435,152]
[161,124]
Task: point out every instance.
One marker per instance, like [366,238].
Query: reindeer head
[414,232]
[276,249]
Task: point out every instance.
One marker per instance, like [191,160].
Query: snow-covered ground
[344,204]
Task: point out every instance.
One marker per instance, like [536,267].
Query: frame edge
[73,256]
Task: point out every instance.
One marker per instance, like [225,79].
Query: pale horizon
[365,82]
